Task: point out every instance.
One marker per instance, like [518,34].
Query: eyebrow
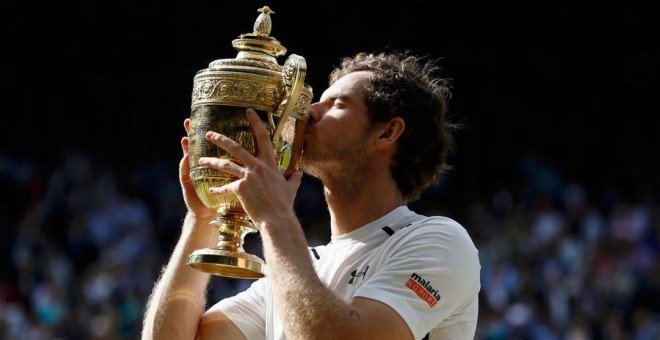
[335,95]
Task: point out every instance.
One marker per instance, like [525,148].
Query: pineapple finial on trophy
[263,24]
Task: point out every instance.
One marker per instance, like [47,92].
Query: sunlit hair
[402,85]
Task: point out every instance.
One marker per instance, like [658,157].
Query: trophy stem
[229,258]
[232,229]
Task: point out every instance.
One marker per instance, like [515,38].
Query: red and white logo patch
[423,289]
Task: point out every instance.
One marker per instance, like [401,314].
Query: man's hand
[263,191]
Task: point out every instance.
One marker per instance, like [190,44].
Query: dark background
[550,94]
[571,82]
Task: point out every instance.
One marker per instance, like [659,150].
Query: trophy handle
[294,69]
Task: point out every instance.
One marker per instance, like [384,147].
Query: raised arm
[176,306]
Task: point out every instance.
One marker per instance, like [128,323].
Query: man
[376,139]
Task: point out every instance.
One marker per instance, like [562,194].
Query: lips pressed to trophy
[221,94]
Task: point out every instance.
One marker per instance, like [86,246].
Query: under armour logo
[355,274]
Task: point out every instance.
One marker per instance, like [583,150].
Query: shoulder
[434,238]
[438,222]
[429,261]
[435,229]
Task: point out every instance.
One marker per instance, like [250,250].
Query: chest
[344,269]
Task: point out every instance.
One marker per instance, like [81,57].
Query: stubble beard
[337,166]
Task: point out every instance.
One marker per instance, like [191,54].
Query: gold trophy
[221,94]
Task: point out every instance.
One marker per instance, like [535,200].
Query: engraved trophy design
[221,94]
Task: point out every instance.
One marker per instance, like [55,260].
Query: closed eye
[339,101]
[338,104]
[336,100]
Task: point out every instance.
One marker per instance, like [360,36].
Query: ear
[390,132]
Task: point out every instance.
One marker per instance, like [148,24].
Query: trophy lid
[256,49]
[254,78]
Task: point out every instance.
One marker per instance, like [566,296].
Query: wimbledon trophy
[221,94]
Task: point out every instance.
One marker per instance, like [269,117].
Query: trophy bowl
[221,94]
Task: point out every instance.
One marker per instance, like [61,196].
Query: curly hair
[404,85]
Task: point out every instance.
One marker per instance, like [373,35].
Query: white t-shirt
[425,268]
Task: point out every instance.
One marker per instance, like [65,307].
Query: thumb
[184,166]
[185,141]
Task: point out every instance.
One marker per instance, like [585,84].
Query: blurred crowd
[82,245]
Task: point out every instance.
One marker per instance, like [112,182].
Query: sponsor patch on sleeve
[423,289]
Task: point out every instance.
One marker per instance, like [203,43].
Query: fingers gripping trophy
[221,94]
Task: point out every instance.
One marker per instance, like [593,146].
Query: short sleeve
[247,310]
[429,275]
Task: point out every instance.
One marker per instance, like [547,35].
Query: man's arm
[178,299]
[175,308]
[308,309]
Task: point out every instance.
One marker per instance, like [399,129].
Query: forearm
[178,299]
[308,309]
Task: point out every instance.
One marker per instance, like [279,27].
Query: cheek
[341,133]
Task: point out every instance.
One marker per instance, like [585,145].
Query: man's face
[338,127]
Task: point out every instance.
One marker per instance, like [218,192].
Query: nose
[315,112]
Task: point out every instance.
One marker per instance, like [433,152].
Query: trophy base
[236,264]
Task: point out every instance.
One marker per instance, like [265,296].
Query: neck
[363,199]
